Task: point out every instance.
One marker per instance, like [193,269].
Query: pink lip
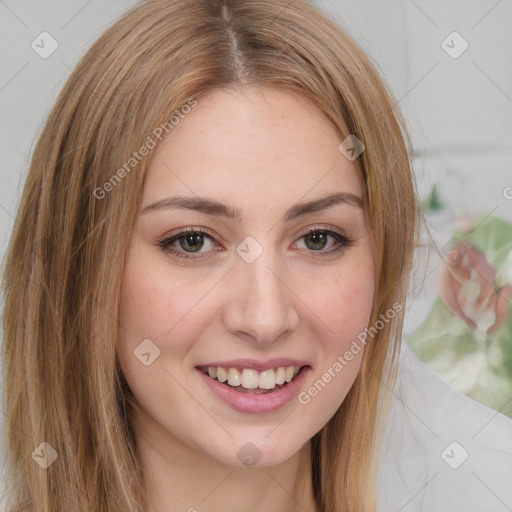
[255,364]
[256,403]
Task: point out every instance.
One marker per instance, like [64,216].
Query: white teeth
[233,377]
[249,378]
[222,375]
[267,379]
[280,376]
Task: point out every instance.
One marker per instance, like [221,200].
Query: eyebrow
[211,207]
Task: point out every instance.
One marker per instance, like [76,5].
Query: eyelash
[343,242]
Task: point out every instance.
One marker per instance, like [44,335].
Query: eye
[187,242]
[190,241]
[316,240]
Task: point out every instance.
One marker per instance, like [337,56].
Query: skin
[261,151]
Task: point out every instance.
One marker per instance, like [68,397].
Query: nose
[261,305]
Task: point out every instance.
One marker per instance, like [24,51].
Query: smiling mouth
[250,381]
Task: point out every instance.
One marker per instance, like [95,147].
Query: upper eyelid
[204,231]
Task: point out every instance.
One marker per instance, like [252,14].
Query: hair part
[62,381]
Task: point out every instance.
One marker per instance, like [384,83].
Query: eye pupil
[318,239]
[190,240]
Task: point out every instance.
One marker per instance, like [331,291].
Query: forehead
[269,141]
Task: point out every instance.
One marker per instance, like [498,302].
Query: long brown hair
[63,271]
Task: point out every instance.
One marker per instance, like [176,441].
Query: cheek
[344,306]
[154,306]
[155,298]
[344,309]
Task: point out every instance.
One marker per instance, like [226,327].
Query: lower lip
[266,402]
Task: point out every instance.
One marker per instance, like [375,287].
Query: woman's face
[249,294]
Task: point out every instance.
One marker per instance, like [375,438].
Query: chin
[263,450]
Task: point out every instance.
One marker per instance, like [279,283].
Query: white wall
[459,110]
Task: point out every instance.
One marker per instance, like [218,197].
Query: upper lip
[255,364]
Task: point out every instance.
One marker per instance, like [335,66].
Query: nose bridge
[262,305]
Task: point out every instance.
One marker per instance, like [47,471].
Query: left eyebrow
[323,203]
[211,207]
